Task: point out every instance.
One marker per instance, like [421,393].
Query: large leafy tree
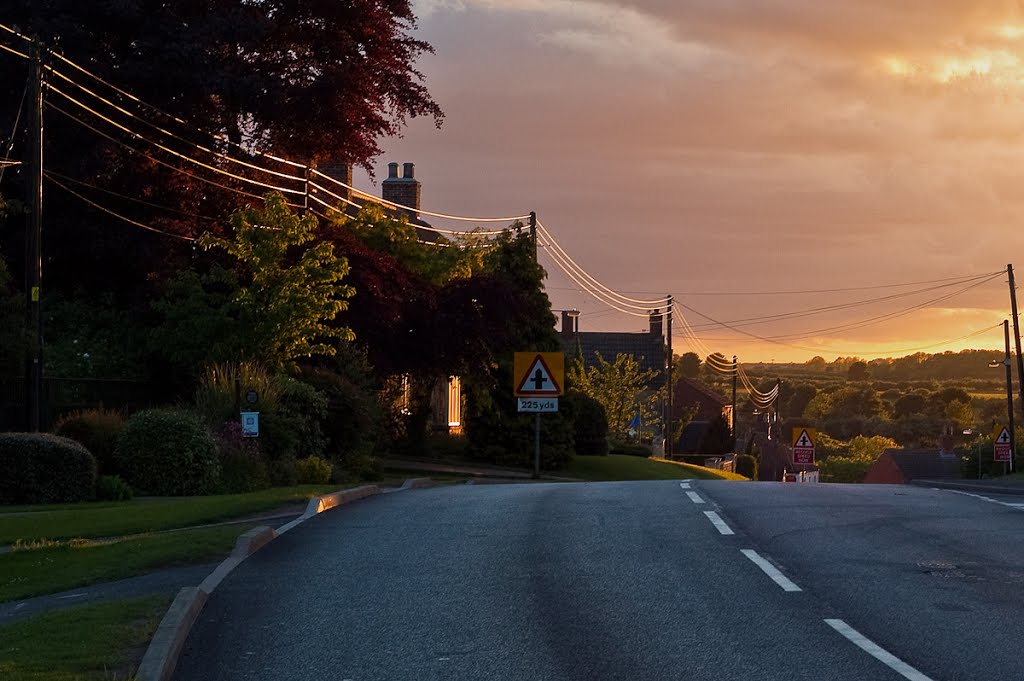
[278,303]
[622,388]
[310,80]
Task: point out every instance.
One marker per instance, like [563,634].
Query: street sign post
[1002,445]
[803,445]
[539,380]
[250,424]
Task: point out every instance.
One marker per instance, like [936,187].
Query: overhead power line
[52,175]
[118,215]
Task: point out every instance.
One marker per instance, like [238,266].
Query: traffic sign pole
[536,446]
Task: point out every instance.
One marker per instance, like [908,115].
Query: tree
[306,80]
[861,402]
[911,403]
[858,371]
[689,365]
[717,438]
[800,398]
[960,413]
[279,302]
[622,388]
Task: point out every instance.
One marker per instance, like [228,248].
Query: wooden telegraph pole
[33,246]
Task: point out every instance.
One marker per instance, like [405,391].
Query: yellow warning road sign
[539,374]
[804,437]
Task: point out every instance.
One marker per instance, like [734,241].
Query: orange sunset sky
[724,152]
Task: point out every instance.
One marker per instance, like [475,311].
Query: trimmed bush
[97,430]
[168,452]
[44,469]
[242,468]
[300,409]
[313,471]
[112,488]
[591,424]
[354,416]
[746,465]
[630,450]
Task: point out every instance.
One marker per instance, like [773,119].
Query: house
[648,348]
[901,466]
[405,191]
[710,404]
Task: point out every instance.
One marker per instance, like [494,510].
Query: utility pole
[533,233]
[1016,334]
[668,381]
[1009,393]
[735,374]
[33,246]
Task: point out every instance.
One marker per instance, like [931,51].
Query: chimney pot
[409,171]
[393,169]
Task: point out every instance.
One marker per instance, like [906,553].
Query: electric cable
[173,167]
[623,300]
[207,166]
[172,135]
[117,215]
[143,202]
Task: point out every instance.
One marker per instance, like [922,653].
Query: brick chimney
[340,171]
[656,322]
[404,190]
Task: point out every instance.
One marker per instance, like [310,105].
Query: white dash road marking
[719,524]
[695,498]
[771,571]
[1008,504]
[78,595]
[684,485]
[885,657]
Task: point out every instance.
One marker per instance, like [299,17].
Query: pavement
[468,469]
[632,580]
[995,486]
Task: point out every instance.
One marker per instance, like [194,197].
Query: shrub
[746,465]
[300,409]
[313,471]
[844,468]
[97,430]
[624,449]
[168,452]
[242,467]
[590,423]
[354,416]
[43,469]
[359,467]
[112,488]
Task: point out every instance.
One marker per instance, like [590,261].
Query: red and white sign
[803,446]
[1002,446]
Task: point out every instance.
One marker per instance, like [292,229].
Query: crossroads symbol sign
[539,374]
[803,445]
[1003,445]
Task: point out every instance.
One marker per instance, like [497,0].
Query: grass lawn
[49,570]
[103,642]
[622,467]
[110,519]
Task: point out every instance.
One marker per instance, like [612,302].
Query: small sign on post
[250,424]
[1002,445]
[539,377]
[803,445]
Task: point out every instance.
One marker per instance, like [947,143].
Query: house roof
[689,390]
[916,464]
[647,348]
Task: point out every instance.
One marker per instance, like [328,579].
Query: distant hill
[921,366]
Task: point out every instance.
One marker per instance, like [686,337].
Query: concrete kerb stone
[162,654]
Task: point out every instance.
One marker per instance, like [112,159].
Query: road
[628,581]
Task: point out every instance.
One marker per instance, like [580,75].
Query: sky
[729,152]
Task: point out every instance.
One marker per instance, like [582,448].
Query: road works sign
[539,374]
[1002,444]
[803,445]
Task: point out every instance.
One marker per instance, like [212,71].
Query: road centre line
[719,524]
[877,652]
[770,570]
[989,499]
[695,498]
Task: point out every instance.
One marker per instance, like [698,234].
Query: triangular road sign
[538,380]
[1003,438]
[804,440]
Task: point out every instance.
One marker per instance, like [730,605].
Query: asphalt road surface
[633,580]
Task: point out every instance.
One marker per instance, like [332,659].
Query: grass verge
[112,519]
[101,642]
[622,467]
[53,569]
